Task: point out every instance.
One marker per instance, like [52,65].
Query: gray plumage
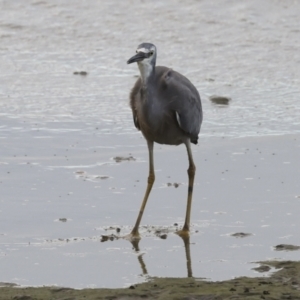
[166,107]
[155,105]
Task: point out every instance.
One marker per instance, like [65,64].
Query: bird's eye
[151,52]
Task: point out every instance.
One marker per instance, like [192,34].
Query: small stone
[286,247]
[220,100]
[82,73]
[104,238]
[266,292]
[240,234]
[262,269]
[22,297]
[121,158]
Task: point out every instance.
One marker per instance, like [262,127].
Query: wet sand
[243,208]
[73,167]
[283,284]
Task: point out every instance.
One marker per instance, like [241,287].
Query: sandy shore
[72,164]
[283,284]
[258,157]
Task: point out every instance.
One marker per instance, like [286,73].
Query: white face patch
[144,50]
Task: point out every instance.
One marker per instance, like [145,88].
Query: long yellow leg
[191,172]
[151,178]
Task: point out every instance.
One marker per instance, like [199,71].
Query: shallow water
[59,133]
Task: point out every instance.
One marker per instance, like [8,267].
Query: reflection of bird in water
[186,241]
[167,109]
[135,245]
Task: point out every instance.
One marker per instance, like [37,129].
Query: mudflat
[246,196]
[283,284]
[73,168]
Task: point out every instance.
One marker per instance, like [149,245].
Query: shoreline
[282,284]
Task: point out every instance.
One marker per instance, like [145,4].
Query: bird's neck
[147,73]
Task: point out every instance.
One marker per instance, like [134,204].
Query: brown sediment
[262,269]
[286,247]
[221,100]
[123,158]
[241,234]
[82,73]
[282,284]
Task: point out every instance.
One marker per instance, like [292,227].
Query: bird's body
[166,107]
[168,110]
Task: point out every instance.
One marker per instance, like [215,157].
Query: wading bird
[167,109]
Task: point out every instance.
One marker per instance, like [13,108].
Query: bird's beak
[138,57]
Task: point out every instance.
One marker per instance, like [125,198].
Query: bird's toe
[133,236]
[183,233]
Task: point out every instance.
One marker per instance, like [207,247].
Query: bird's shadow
[136,248]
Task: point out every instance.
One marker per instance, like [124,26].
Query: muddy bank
[244,210]
[283,284]
[72,163]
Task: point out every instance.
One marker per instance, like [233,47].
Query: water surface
[61,188]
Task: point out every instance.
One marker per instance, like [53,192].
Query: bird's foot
[184,232]
[133,236]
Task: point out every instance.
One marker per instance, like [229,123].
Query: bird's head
[145,55]
[145,58]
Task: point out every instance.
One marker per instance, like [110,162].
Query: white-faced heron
[167,109]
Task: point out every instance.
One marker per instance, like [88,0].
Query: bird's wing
[185,100]
[134,94]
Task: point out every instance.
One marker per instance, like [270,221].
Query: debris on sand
[82,73]
[111,237]
[220,100]
[123,158]
[285,247]
[241,234]
[282,284]
[175,184]
[262,269]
